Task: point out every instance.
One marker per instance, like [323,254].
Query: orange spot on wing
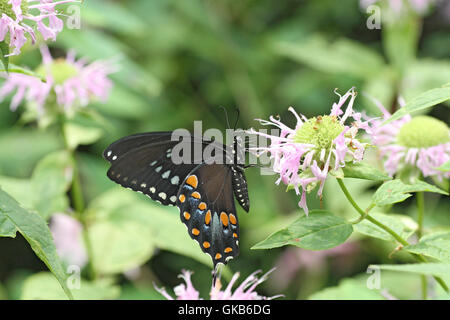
[235,235]
[228,249]
[196,195]
[233,219]
[218,256]
[206,245]
[208,217]
[224,219]
[182,198]
[195,232]
[192,181]
[187,215]
[202,206]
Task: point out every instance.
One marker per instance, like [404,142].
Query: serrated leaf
[35,230]
[42,286]
[435,245]
[361,170]
[319,231]
[434,269]
[421,102]
[396,191]
[401,224]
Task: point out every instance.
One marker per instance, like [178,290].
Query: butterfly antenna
[226,116]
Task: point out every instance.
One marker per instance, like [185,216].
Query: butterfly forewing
[126,144]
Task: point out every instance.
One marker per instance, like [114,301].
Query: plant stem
[420,217]
[420,213]
[78,203]
[385,228]
[423,280]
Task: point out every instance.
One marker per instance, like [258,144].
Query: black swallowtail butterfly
[203,190]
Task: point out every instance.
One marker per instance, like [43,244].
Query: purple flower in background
[69,83]
[305,156]
[17,14]
[67,233]
[420,143]
[245,291]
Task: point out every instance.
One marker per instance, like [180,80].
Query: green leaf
[435,245]
[20,151]
[17,69]
[50,182]
[421,102]
[162,224]
[445,167]
[118,247]
[35,230]
[434,269]
[77,134]
[361,170]
[401,224]
[348,289]
[319,231]
[4,50]
[19,189]
[344,56]
[396,191]
[42,286]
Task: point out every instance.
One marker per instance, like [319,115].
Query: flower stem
[423,280]
[420,216]
[386,228]
[420,213]
[78,203]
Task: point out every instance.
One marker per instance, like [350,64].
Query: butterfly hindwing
[206,204]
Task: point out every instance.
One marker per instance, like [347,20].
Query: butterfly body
[202,189]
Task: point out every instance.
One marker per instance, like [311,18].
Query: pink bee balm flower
[244,292]
[418,144]
[69,83]
[42,13]
[306,155]
[67,233]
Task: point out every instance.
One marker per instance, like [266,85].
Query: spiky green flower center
[6,8]
[319,131]
[59,69]
[423,132]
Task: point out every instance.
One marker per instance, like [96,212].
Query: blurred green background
[179,61]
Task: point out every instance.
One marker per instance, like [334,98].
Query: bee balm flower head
[19,16]
[69,83]
[246,291]
[304,156]
[417,145]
